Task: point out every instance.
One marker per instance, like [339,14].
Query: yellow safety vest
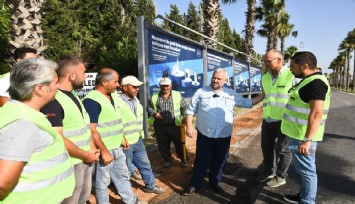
[276,95]
[110,121]
[76,126]
[132,124]
[48,177]
[176,106]
[295,120]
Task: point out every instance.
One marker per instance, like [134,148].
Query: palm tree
[249,24]
[350,45]
[211,15]
[26,24]
[270,12]
[285,29]
[347,49]
[290,51]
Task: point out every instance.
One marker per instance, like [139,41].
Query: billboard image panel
[217,60]
[255,79]
[241,77]
[177,59]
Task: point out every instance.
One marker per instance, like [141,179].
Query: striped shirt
[165,108]
[132,103]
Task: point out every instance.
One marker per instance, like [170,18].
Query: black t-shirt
[94,108]
[55,111]
[315,90]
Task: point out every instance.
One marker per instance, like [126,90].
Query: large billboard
[241,77]
[172,57]
[217,60]
[255,79]
[89,85]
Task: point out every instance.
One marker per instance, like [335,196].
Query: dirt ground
[175,178]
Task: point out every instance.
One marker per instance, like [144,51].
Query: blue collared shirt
[215,114]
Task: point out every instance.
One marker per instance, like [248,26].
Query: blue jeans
[306,168]
[137,155]
[211,153]
[118,172]
[83,183]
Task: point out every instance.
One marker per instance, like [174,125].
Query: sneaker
[156,190]
[276,181]
[167,164]
[136,175]
[292,198]
[264,176]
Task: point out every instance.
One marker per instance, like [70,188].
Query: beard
[78,85]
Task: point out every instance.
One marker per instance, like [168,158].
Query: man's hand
[106,157]
[190,131]
[91,156]
[158,116]
[303,148]
[125,144]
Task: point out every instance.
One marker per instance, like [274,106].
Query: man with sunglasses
[276,83]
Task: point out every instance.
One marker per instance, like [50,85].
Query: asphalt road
[334,158]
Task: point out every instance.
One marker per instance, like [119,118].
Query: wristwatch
[306,139]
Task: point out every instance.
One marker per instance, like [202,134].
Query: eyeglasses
[269,61]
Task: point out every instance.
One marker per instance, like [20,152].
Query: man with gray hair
[33,159]
[107,131]
[214,107]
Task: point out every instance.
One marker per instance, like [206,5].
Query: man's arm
[258,98]
[10,172]
[190,131]
[314,121]
[105,154]
[74,151]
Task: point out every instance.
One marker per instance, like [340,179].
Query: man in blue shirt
[214,107]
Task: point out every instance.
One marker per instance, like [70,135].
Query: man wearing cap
[132,112]
[165,109]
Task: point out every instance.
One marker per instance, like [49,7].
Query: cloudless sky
[321,24]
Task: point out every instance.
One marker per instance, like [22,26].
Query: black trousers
[165,134]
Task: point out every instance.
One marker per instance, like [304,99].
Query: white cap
[132,80]
[165,81]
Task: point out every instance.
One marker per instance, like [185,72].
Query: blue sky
[321,24]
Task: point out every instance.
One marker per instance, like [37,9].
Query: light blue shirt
[215,114]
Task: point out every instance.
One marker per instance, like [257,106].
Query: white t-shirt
[4,85]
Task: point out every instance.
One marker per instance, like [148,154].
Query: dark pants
[210,153]
[274,145]
[165,134]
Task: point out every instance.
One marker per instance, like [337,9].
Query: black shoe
[217,188]
[188,191]
[292,198]
[264,176]
[183,164]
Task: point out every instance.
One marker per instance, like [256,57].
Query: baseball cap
[165,81]
[132,80]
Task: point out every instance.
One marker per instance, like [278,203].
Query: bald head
[273,60]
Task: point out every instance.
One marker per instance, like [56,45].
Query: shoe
[293,198]
[188,191]
[217,188]
[167,164]
[183,164]
[264,176]
[156,190]
[136,175]
[276,181]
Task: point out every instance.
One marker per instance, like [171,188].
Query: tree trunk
[353,87]
[26,24]
[250,27]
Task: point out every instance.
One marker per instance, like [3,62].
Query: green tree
[5,53]
[192,20]
[285,29]
[269,12]
[290,51]
[174,15]
[249,24]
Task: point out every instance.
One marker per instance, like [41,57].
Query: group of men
[101,137]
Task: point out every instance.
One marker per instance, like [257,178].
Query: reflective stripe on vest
[132,124]
[176,97]
[76,125]
[276,95]
[47,171]
[110,122]
[295,119]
